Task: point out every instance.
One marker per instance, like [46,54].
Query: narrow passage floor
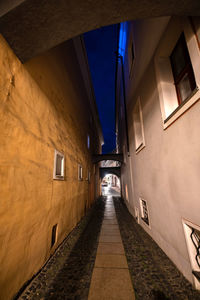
[111,278]
[109,256]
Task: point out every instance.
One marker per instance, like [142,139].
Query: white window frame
[170,110]
[138,145]
[56,176]
[80,172]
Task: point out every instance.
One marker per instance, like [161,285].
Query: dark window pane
[178,60]
[184,87]
[53,235]
[182,70]
[59,159]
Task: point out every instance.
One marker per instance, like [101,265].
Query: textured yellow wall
[43,107]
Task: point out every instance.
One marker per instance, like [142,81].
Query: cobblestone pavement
[67,274]
[153,274]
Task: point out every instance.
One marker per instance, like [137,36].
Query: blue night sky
[101,45]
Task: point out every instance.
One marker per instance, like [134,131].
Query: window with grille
[144,211]
[192,236]
[195,237]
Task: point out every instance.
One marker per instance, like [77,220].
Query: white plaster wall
[166,172]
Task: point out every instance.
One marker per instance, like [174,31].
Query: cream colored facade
[45,105]
[163,164]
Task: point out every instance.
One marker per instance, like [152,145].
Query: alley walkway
[111,277]
[92,262]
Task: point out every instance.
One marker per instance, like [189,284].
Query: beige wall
[43,107]
[166,171]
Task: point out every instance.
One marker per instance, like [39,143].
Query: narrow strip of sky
[101,45]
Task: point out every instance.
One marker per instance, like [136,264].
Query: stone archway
[32,27]
[112,170]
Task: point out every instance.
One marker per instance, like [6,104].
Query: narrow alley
[99,150]
[91,263]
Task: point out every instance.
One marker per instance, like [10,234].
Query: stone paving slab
[111,261]
[153,274]
[110,232]
[111,284]
[110,218]
[110,278]
[110,239]
[109,227]
[110,248]
[110,222]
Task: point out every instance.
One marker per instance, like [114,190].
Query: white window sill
[195,96]
[58,178]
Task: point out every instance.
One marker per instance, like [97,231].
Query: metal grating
[195,237]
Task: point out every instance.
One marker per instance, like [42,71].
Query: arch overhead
[111,170]
[100,157]
[32,27]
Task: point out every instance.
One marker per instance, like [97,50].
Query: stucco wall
[165,172]
[43,107]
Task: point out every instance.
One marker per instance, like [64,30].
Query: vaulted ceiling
[34,26]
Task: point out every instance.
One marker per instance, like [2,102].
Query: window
[138,127]
[182,70]
[59,161]
[177,66]
[80,172]
[192,236]
[144,211]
